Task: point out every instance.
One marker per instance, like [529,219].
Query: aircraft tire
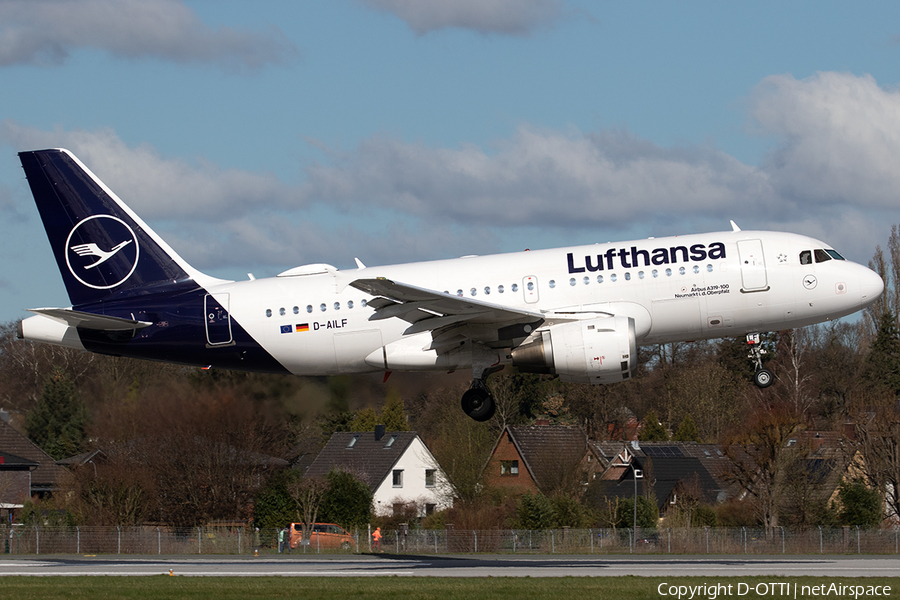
[478,404]
[763,378]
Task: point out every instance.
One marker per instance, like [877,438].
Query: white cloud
[838,138]
[158,187]
[832,175]
[45,32]
[505,17]
[540,177]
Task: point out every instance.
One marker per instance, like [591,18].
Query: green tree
[647,513]
[365,420]
[535,511]
[347,501]
[58,420]
[860,505]
[653,430]
[883,362]
[273,506]
[687,431]
[392,415]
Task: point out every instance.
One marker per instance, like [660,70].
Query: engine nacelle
[602,350]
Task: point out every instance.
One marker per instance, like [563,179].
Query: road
[452,566]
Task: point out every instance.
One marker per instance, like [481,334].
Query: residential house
[671,472]
[25,470]
[396,465]
[541,458]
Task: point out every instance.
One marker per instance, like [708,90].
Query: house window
[509,467]
[390,441]
[429,477]
[398,478]
[352,441]
[429,509]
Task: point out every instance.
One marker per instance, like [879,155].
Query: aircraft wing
[447,316]
[84,320]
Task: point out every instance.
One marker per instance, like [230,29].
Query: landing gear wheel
[478,403]
[763,378]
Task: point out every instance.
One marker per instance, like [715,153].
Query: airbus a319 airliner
[579,312]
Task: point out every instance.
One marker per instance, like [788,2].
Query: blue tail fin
[103,249]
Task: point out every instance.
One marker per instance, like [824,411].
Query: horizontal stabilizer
[84,320]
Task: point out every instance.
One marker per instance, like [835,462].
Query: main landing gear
[478,402]
[763,378]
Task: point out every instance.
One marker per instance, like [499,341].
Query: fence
[36,540]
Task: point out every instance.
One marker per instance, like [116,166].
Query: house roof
[46,476]
[13,462]
[665,465]
[548,451]
[367,458]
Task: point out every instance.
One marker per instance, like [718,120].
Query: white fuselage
[675,288]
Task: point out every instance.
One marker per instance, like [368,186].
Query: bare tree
[307,495]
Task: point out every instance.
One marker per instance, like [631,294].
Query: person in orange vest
[376,539]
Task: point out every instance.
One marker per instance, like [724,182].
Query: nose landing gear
[763,378]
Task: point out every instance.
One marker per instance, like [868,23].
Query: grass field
[411,588]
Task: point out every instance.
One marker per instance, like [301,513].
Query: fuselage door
[530,288]
[217,319]
[753,266]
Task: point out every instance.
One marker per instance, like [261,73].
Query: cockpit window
[821,255]
[834,254]
[806,257]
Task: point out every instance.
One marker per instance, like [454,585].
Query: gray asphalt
[830,567]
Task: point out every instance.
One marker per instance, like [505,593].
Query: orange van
[324,535]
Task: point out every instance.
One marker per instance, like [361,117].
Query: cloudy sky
[260,136]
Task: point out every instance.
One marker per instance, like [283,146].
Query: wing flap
[429,310]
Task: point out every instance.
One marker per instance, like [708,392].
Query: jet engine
[601,350]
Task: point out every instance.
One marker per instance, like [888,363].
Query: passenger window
[806,257]
[655,273]
[821,255]
[709,268]
[530,286]
[627,276]
[268,312]
[587,280]
[599,278]
[696,269]
[640,274]
[681,270]
[309,308]
[612,277]
[322,307]
[459,293]
[500,289]
[337,306]
[572,281]
[364,302]
[349,303]
[551,283]
[281,311]
[296,310]
[487,291]
[473,291]
[515,287]
[668,272]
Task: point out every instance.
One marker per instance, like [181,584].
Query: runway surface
[452,566]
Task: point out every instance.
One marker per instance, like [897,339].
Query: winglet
[359,264]
[734,226]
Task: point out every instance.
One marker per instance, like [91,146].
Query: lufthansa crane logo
[102,252]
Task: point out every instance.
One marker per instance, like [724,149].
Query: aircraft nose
[871,286]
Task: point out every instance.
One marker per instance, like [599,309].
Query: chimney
[379,432]
[4,415]
[542,422]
